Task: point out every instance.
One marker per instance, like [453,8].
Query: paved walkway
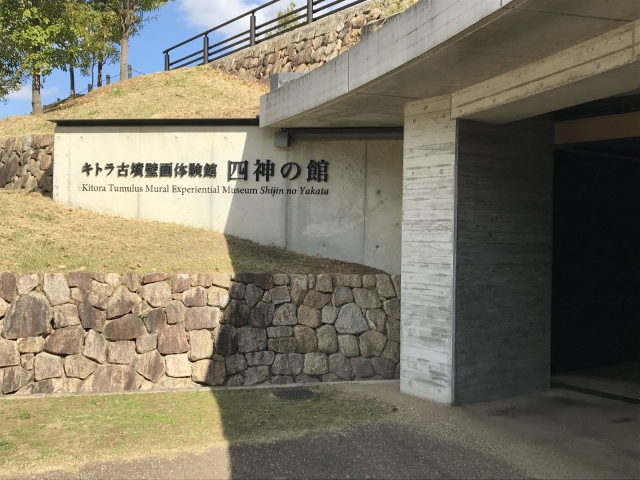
[558,434]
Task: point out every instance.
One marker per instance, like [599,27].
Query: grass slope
[38,235]
[185,93]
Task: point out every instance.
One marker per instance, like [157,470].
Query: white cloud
[24,93]
[206,14]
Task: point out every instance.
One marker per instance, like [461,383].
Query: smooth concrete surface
[357,220]
[557,434]
[440,47]
[622,380]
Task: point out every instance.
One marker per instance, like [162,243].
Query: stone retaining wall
[105,333]
[26,163]
[308,47]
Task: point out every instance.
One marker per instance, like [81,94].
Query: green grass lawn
[63,432]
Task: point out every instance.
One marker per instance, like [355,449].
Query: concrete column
[428,260]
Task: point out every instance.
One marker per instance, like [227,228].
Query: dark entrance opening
[595,314]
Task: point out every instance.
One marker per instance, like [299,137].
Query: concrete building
[520,200]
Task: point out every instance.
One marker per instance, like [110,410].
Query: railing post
[205,50]
[129,71]
[89,87]
[252,29]
[309,11]
[166,61]
[108,79]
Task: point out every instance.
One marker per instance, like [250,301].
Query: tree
[286,15]
[32,28]
[10,77]
[131,15]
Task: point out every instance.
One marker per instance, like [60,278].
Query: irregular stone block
[150,365]
[26,283]
[55,288]
[154,277]
[263,281]
[218,297]
[368,281]
[66,341]
[283,345]
[173,340]
[280,295]
[309,317]
[281,380]
[383,367]
[65,315]
[45,387]
[208,372]
[122,302]
[348,345]
[178,365]
[237,290]
[285,315]
[9,353]
[315,364]
[372,343]
[28,316]
[155,320]
[391,352]
[47,366]
[253,294]
[102,289]
[277,332]
[288,364]
[243,277]
[113,378]
[4,306]
[235,363]
[251,339]
[330,377]
[351,281]
[341,366]
[324,283]
[392,308]
[147,342]
[201,280]
[392,329]
[225,339]
[299,287]
[95,346]
[281,279]
[220,280]
[316,299]
[91,317]
[236,380]
[81,280]
[350,320]
[376,320]
[131,281]
[200,345]
[96,300]
[362,367]
[124,328]
[175,312]
[180,283]
[170,383]
[27,361]
[365,298]
[256,375]
[330,314]
[8,286]
[341,296]
[260,358]
[327,339]
[141,309]
[306,340]
[304,378]
[384,287]
[195,297]
[78,366]
[237,313]
[122,352]
[15,378]
[156,294]
[261,315]
[200,318]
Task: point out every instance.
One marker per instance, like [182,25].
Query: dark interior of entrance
[596,255]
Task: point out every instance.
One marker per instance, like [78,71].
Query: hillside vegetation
[185,93]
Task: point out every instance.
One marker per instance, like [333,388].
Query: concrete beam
[609,127]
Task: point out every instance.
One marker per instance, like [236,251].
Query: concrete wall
[503,259]
[358,220]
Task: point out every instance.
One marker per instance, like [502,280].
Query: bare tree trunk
[99,73]
[72,80]
[124,54]
[36,98]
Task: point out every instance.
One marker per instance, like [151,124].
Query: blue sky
[177,21]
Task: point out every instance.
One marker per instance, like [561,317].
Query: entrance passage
[595,324]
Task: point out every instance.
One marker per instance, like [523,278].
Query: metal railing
[314,10]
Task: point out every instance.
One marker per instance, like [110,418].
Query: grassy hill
[184,93]
[38,235]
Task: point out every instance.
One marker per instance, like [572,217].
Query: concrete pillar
[476,255]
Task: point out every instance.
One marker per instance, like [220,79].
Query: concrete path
[559,434]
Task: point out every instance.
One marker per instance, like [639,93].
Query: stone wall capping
[111,332]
